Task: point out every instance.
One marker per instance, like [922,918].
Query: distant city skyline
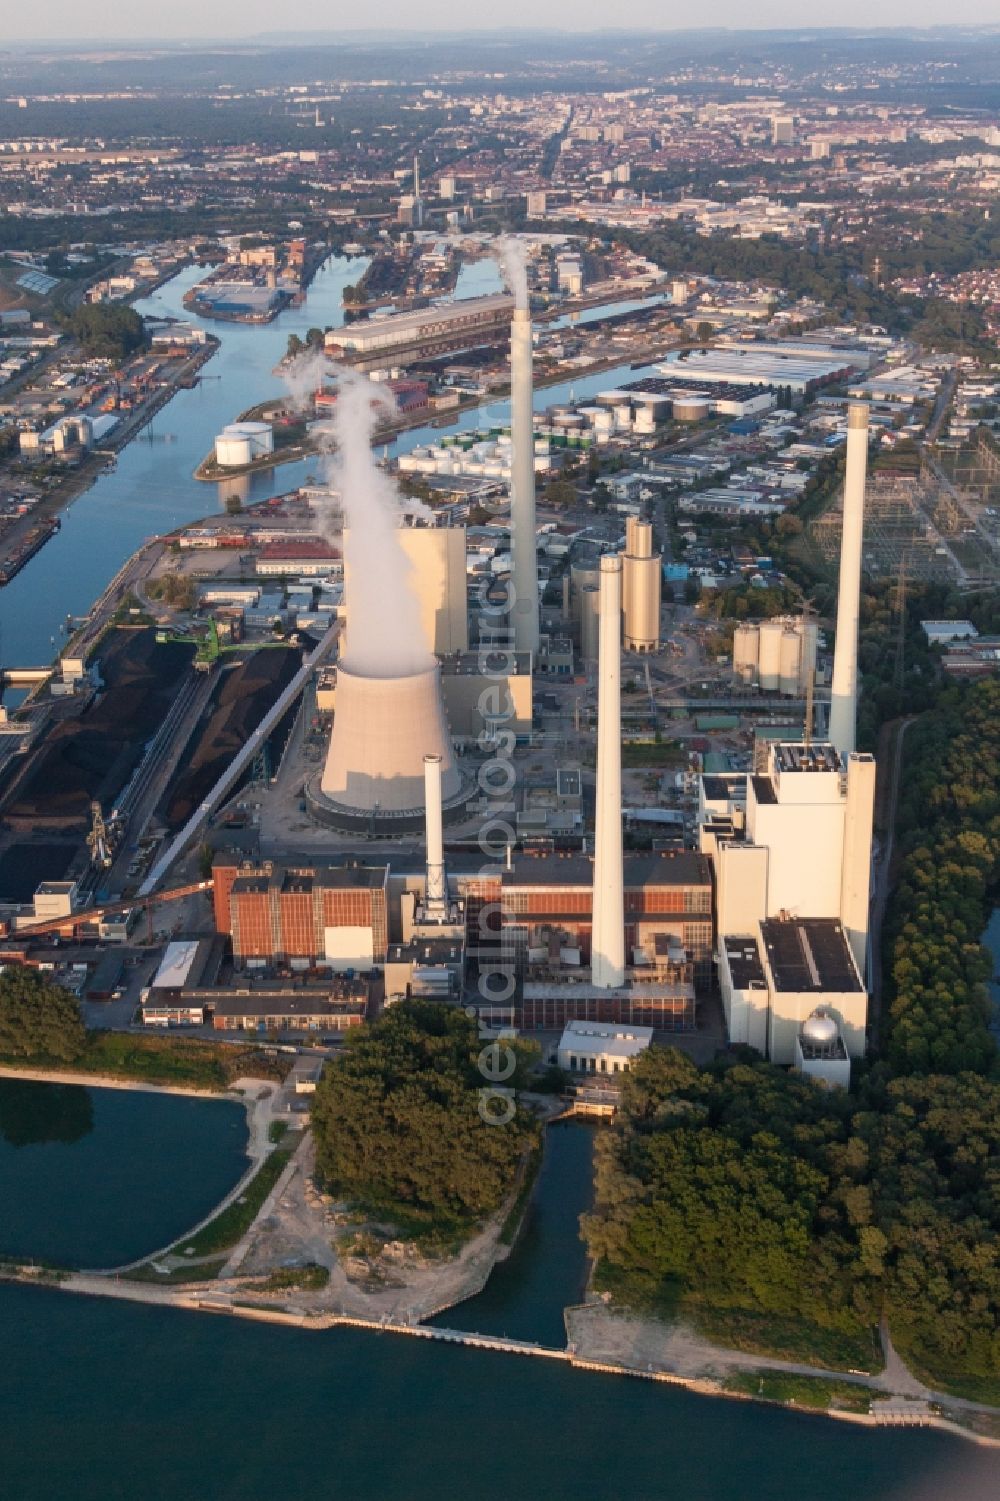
[60,20]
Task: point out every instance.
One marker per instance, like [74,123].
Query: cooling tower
[383,728]
[844,686]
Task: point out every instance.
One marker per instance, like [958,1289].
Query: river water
[152,489]
[100,1400]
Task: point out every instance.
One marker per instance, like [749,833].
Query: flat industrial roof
[809,953]
[743,959]
[669,868]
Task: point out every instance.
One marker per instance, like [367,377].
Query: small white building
[940,632]
[601,1047]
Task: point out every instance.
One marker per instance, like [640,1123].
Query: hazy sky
[53,19]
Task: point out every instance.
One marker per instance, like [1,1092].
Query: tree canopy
[38,1019]
[108,330]
[397,1123]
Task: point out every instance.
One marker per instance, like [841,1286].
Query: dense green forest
[398,1127]
[38,1019]
[108,330]
[783,1217]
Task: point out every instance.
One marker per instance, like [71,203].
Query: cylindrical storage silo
[583,575]
[788,667]
[745,648]
[232,450]
[642,613]
[692,408]
[769,655]
[590,604]
[808,635]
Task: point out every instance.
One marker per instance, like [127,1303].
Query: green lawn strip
[276,1130]
[222,1233]
[518,1209]
[801,1391]
[787,1338]
[204,1271]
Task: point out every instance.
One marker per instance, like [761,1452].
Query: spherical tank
[769,655]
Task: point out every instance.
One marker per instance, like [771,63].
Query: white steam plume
[386,636]
[304,376]
[512,254]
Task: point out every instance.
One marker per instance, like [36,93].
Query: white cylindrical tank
[589,600]
[745,649]
[382,730]
[789,662]
[769,655]
[232,450]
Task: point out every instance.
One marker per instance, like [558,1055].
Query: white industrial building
[800,368]
[791,847]
[600,1047]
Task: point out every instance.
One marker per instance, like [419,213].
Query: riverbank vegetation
[41,1028]
[398,1128]
[788,1219]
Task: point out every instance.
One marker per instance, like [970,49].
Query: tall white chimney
[844,688]
[436,890]
[608,932]
[522,490]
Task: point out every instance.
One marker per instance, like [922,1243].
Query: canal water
[547,1269]
[153,489]
[98,1177]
